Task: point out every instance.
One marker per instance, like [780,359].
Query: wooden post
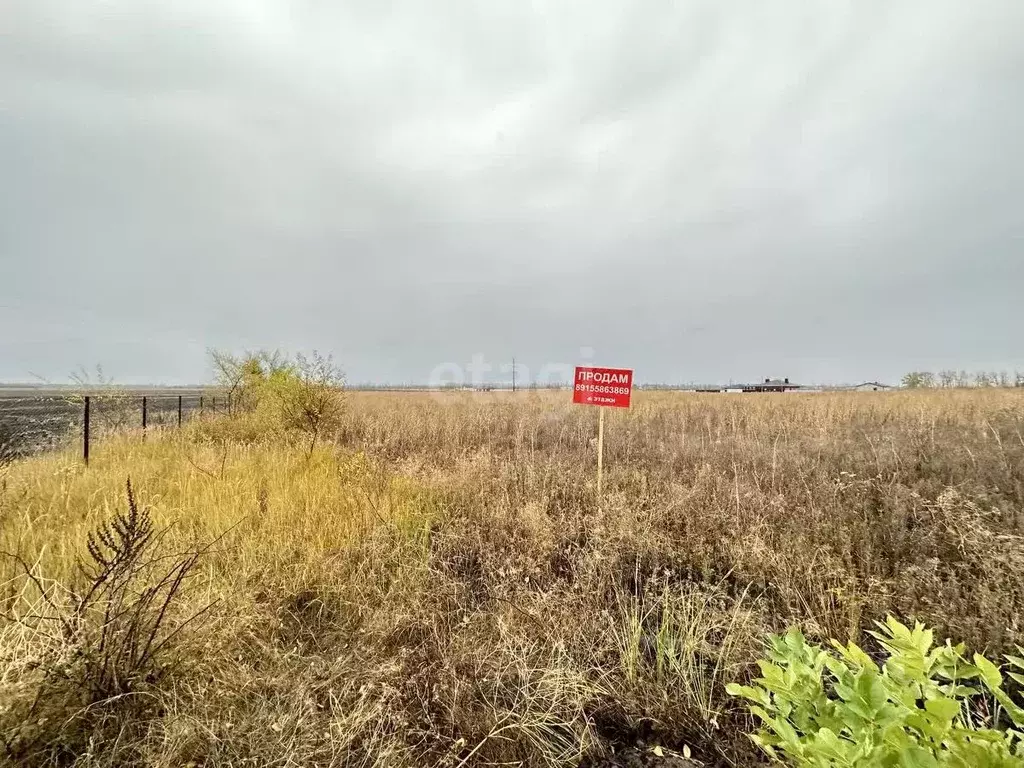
[214,406]
[179,411]
[200,405]
[600,449]
[85,432]
[143,417]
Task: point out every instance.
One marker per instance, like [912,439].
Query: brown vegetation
[441,586]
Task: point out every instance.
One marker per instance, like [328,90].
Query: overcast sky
[830,191]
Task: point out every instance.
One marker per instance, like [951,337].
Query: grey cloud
[698,190]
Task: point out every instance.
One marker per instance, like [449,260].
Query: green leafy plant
[923,705]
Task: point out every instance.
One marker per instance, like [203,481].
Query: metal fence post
[143,417]
[179,411]
[85,432]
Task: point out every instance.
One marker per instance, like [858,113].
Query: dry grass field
[440,585]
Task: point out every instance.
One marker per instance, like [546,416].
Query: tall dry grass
[441,586]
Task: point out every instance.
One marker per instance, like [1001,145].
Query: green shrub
[310,398]
[270,394]
[923,706]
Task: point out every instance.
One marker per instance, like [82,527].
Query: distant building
[771,385]
[768,385]
[870,386]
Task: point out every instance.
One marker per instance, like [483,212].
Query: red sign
[603,386]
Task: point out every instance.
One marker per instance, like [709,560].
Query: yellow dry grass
[282,508]
[440,585]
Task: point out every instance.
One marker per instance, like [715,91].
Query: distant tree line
[950,379]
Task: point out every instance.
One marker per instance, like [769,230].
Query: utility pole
[85,432]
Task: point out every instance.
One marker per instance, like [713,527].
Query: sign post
[603,387]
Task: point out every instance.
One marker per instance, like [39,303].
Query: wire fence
[31,425]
